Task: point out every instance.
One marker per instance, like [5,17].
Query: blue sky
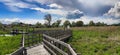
[32,11]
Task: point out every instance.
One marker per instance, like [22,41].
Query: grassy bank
[96,40]
[9,44]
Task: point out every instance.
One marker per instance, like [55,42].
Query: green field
[96,40]
[9,44]
[85,40]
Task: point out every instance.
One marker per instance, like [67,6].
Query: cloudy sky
[32,11]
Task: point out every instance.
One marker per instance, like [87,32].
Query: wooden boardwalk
[38,50]
[53,43]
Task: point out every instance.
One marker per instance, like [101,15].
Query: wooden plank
[71,50]
[49,49]
[62,43]
[55,40]
[19,51]
[62,52]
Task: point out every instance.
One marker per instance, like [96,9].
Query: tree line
[48,23]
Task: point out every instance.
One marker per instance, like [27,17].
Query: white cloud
[27,21]
[14,5]
[99,19]
[86,20]
[74,14]
[51,11]
[54,5]
[115,11]
[20,5]
[90,7]
[32,21]
[98,2]
[8,21]
[41,1]
[64,7]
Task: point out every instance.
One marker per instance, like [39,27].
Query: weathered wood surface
[53,41]
[38,50]
[20,51]
[57,46]
[31,39]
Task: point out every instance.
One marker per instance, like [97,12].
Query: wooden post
[25,51]
[33,29]
[39,38]
[32,40]
[23,39]
[28,36]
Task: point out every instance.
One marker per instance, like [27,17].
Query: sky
[33,11]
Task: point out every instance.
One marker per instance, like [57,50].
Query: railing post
[39,38]
[25,51]
[23,43]
[32,40]
[23,39]
[28,40]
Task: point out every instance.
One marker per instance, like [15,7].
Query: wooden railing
[57,47]
[28,40]
[21,50]
[53,41]
[57,34]
[32,39]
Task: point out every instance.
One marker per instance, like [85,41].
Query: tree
[91,23]
[15,24]
[116,24]
[48,18]
[21,24]
[73,24]
[98,24]
[79,23]
[38,25]
[54,24]
[0,24]
[66,23]
[57,23]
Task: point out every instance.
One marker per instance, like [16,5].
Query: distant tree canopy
[56,24]
[116,24]
[91,23]
[100,24]
[48,18]
[0,24]
[66,23]
[73,24]
[48,22]
[79,23]
[38,25]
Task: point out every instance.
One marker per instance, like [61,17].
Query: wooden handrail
[59,50]
[52,41]
[47,40]
[21,50]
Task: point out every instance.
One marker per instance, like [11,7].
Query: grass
[96,40]
[9,44]
[85,40]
